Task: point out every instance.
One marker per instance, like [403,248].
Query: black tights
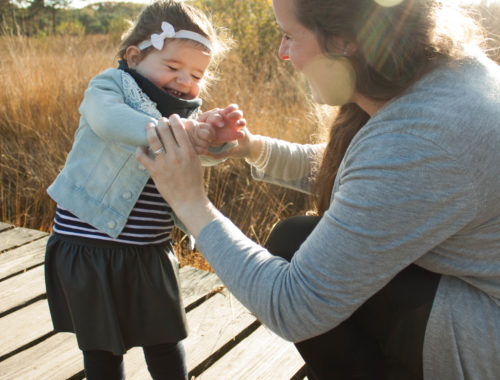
[165,362]
[384,338]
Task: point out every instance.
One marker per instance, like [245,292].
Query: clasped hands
[215,127]
[177,171]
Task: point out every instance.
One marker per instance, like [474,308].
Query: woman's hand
[249,147]
[177,172]
[226,123]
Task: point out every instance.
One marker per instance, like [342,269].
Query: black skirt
[114,296]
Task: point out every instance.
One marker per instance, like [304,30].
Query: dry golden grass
[43,81]
[42,85]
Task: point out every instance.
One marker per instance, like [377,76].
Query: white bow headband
[157,40]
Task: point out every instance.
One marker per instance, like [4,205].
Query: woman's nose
[283,51]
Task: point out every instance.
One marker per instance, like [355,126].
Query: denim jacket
[102,180]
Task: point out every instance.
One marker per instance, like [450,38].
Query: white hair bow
[158,39]
[168,31]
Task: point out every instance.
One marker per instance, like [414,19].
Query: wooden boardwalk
[225,340]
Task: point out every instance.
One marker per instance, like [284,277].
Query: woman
[400,278]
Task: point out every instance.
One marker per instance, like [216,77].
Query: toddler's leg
[166,361]
[103,365]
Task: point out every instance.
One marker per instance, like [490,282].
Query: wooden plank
[47,360]
[22,258]
[19,289]
[24,326]
[57,358]
[195,283]
[262,356]
[17,237]
[212,326]
[5,226]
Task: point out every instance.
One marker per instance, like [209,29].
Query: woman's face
[299,44]
[331,78]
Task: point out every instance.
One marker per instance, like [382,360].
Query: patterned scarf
[165,103]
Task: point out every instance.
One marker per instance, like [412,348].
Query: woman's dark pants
[384,338]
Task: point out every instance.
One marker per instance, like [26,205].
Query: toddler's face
[177,69]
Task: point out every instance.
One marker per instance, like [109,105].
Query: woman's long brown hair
[396,46]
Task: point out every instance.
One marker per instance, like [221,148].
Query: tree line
[53,17]
[251,23]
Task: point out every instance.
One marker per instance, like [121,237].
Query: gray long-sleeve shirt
[420,183]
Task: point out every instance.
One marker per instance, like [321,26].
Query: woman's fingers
[200,135]
[228,134]
[176,170]
[142,155]
[234,114]
[178,132]
[215,119]
[154,139]
[205,116]
[230,108]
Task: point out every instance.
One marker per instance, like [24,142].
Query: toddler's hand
[200,134]
[227,123]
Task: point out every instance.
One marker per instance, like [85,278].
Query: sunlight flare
[388,3]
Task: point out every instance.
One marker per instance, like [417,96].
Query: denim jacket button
[111,225]
[127,195]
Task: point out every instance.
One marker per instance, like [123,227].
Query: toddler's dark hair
[176,12]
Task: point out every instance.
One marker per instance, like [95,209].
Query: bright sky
[83,3]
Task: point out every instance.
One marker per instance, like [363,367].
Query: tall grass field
[43,81]
[42,84]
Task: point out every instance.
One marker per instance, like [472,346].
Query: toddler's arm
[109,116]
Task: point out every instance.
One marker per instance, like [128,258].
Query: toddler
[111,273]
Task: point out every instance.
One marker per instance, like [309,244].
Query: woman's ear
[133,56]
[349,48]
[342,46]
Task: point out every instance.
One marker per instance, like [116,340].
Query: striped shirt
[149,222]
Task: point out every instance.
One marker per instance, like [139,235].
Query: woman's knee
[287,236]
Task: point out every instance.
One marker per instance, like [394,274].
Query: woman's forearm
[197,214]
[256,145]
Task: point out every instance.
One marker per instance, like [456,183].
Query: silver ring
[159,151]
